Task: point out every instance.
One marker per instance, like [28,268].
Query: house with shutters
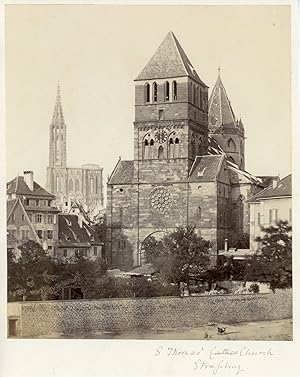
[31,214]
[270,205]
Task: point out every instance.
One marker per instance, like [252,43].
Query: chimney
[28,178]
[226,244]
[80,219]
[275,181]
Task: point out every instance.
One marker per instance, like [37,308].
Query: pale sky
[97,51]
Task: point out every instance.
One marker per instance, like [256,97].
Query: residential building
[75,237]
[272,204]
[31,214]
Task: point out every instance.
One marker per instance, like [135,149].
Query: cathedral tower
[224,127]
[57,139]
[171,105]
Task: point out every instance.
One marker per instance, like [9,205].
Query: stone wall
[83,316]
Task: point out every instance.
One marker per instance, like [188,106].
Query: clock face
[161,136]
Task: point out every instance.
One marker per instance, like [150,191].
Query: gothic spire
[220,112]
[58,117]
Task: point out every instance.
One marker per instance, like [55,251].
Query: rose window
[160,199]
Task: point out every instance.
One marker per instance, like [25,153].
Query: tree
[79,272]
[178,255]
[273,263]
[31,272]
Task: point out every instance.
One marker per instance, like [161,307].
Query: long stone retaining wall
[50,318]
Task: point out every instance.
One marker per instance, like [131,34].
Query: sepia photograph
[149,174]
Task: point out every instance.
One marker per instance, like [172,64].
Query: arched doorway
[158,235]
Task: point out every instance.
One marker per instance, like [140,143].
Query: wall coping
[148,298]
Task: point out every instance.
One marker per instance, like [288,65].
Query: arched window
[92,185]
[160,152]
[201,98]
[71,185]
[176,140]
[196,95]
[231,144]
[151,142]
[193,94]
[174,90]
[241,146]
[154,92]
[171,148]
[193,149]
[146,149]
[147,92]
[231,159]
[200,147]
[167,91]
[77,185]
[58,183]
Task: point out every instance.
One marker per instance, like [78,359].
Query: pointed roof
[168,61]
[58,116]
[18,186]
[220,112]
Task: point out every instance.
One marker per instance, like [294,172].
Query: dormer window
[69,222]
[154,92]
[167,91]
[147,92]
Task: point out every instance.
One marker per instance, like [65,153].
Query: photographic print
[149,173]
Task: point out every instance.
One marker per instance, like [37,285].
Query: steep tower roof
[220,112]
[58,116]
[169,60]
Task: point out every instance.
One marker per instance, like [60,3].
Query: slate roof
[283,189]
[19,187]
[206,168]
[123,173]
[220,112]
[10,205]
[69,232]
[169,60]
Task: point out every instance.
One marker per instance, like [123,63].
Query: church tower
[224,127]
[57,139]
[171,105]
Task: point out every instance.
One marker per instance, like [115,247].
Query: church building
[188,165]
[82,186]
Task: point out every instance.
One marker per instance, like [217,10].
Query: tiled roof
[94,238]
[69,232]
[123,173]
[145,269]
[220,112]
[215,149]
[283,188]
[169,60]
[205,168]
[10,205]
[19,187]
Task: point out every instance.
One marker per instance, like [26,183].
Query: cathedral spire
[58,117]
[220,110]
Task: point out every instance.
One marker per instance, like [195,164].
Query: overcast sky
[97,51]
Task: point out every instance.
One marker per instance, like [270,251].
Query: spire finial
[219,70]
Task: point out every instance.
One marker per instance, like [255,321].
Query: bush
[254,288]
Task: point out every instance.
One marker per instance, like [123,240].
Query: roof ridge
[178,50]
